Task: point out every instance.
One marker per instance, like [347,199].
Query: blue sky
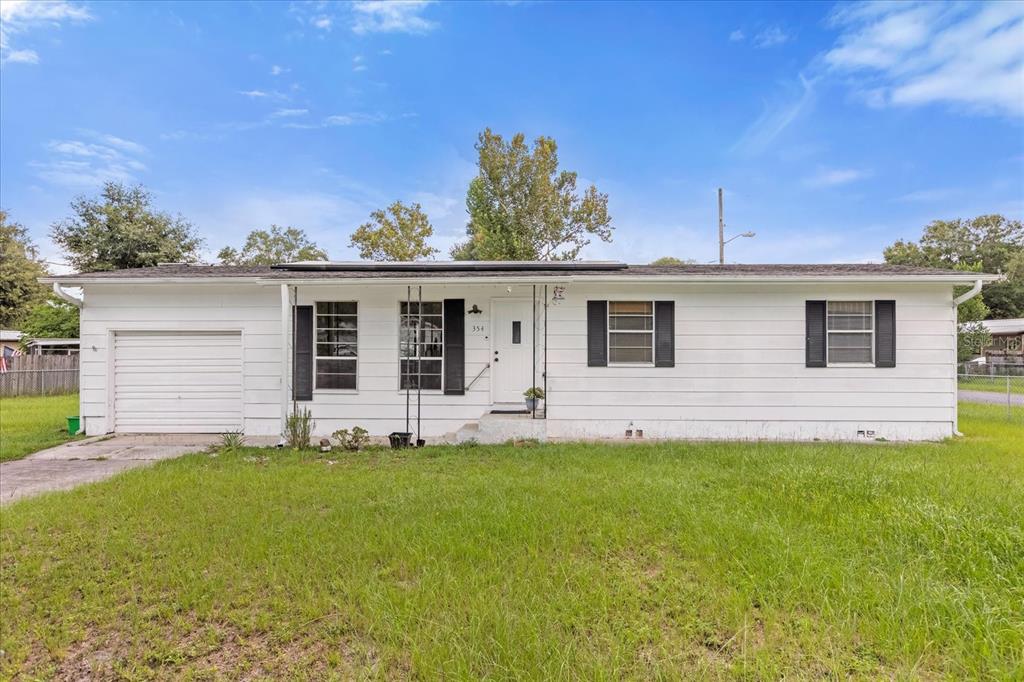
[835,129]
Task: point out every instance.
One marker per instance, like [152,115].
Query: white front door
[511,349]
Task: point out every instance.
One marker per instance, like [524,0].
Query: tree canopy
[20,267]
[522,207]
[398,233]
[120,229]
[269,247]
[988,243]
[52,318]
[672,260]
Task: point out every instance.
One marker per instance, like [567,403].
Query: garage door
[177,382]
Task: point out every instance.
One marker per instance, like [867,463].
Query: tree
[398,233]
[120,230]
[52,318]
[522,207]
[672,260]
[286,245]
[988,243]
[20,268]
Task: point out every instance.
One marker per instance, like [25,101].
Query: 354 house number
[477,329]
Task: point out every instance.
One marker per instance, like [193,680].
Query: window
[337,347]
[850,332]
[630,332]
[422,363]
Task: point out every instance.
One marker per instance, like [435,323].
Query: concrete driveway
[93,459]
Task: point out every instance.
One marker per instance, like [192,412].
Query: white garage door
[177,382]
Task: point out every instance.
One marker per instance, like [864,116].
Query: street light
[722,241]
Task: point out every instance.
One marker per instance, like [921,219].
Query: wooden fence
[40,375]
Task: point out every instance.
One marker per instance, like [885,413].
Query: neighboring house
[1007,344]
[52,347]
[688,351]
[10,342]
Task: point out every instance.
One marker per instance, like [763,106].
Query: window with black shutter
[664,333]
[597,333]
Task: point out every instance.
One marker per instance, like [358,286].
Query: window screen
[850,332]
[337,346]
[631,332]
[422,356]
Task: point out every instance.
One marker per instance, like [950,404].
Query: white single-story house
[446,349]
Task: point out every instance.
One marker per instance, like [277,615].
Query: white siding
[739,369]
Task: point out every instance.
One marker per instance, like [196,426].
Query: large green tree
[120,229]
[398,233]
[988,243]
[273,246]
[522,207]
[20,268]
[52,318]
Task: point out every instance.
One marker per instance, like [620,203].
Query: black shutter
[885,333]
[664,333]
[597,333]
[454,346]
[302,369]
[816,336]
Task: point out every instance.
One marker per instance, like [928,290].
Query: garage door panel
[180,355]
[183,379]
[177,382]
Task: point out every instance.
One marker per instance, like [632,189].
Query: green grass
[31,423]
[991,384]
[566,561]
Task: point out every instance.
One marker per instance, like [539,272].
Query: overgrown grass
[562,561]
[31,423]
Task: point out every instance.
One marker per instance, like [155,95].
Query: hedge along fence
[39,375]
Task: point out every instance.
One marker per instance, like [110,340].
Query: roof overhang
[965,279]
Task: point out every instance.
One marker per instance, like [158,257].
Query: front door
[511,349]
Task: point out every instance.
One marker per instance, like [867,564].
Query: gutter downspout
[963,298]
[59,292]
[286,329]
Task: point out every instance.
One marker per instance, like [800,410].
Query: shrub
[232,440]
[534,392]
[353,440]
[299,429]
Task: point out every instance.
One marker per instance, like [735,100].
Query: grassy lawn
[31,423]
[564,561]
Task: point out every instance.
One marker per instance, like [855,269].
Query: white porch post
[286,330]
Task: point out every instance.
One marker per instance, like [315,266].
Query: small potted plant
[532,395]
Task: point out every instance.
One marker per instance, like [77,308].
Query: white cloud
[969,55]
[288,113]
[394,16]
[834,177]
[90,163]
[358,63]
[276,70]
[323,22]
[737,36]
[929,195]
[777,117]
[22,16]
[772,36]
[263,94]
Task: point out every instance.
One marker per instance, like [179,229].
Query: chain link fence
[994,389]
[39,375]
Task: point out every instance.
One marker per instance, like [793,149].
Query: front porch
[447,362]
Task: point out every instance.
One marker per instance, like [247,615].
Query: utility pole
[721,229]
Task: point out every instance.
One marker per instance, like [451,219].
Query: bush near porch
[752,560]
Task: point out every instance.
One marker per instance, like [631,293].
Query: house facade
[446,350]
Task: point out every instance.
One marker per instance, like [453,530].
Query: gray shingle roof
[763,271]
